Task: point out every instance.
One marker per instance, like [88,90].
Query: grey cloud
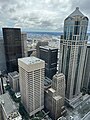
[12,10]
[40,14]
[83,4]
[46,24]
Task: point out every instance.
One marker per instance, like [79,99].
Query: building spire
[76,13]
[77,8]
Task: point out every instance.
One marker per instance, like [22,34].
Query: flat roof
[59,75]
[7,103]
[52,90]
[30,60]
[81,112]
[14,74]
[57,97]
[88,44]
[87,116]
[48,47]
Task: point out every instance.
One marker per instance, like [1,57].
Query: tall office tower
[58,84]
[72,52]
[54,97]
[13,49]
[86,71]
[24,44]
[2,55]
[49,55]
[40,43]
[31,70]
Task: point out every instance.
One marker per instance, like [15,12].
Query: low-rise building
[14,80]
[8,110]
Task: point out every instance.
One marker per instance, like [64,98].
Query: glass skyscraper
[13,48]
[72,52]
[86,71]
[75,26]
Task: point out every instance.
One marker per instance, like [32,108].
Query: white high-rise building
[31,70]
[72,52]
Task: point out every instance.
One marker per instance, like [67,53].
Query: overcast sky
[39,15]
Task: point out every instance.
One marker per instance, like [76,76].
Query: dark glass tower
[72,52]
[49,55]
[13,50]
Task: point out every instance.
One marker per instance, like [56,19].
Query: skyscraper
[24,44]
[54,97]
[31,70]
[58,84]
[49,55]
[72,52]
[86,71]
[13,49]
[40,43]
[2,55]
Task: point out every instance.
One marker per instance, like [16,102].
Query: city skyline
[46,74]
[43,15]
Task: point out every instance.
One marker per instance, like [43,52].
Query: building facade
[49,55]
[86,71]
[2,55]
[13,48]
[13,78]
[72,52]
[31,70]
[54,97]
[24,44]
[40,43]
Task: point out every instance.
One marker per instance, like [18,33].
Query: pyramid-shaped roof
[76,13]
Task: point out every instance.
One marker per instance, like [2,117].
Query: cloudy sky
[39,15]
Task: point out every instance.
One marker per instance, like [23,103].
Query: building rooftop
[9,108]
[10,28]
[30,60]
[14,74]
[7,103]
[86,117]
[88,44]
[47,83]
[59,75]
[48,47]
[52,90]
[76,13]
[81,112]
[57,97]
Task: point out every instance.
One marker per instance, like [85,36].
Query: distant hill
[48,33]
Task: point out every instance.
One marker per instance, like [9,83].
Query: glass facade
[75,27]
[13,48]
[49,55]
[72,52]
